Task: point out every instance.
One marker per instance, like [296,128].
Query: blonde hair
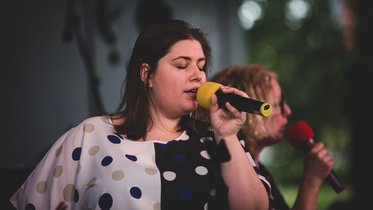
[256,81]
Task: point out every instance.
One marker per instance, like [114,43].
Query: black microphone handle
[241,103]
[335,183]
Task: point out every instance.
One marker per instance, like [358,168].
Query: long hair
[151,45]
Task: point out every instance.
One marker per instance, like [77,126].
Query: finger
[232,109]
[213,103]
[317,147]
[235,113]
[227,89]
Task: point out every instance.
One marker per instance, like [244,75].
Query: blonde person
[262,84]
[151,153]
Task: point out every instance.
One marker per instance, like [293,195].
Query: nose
[197,78]
[287,109]
[198,75]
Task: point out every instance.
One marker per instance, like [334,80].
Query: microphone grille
[298,133]
[204,93]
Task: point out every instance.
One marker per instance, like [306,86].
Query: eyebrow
[188,58]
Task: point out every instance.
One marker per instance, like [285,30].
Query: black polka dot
[76,153]
[106,161]
[105,202]
[131,157]
[30,206]
[114,139]
[135,192]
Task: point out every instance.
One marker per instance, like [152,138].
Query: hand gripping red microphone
[300,135]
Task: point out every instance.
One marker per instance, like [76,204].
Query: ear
[144,74]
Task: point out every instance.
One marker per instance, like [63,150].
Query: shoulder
[88,132]
[90,125]
[94,121]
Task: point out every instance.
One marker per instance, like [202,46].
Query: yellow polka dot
[58,171]
[93,150]
[58,151]
[106,119]
[117,175]
[92,182]
[41,187]
[88,128]
[157,206]
[151,171]
[68,193]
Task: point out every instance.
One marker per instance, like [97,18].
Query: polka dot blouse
[91,167]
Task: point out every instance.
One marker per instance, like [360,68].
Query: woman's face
[281,110]
[178,76]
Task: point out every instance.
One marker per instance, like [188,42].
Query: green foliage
[310,61]
[312,65]
[327,197]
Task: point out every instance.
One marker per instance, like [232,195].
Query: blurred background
[63,61]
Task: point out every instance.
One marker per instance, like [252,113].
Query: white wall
[44,89]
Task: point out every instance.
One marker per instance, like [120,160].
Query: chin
[188,108]
[192,109]
[194,106]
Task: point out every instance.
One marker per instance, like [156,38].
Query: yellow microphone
[241,103]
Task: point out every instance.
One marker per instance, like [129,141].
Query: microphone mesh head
[298,133]
[204,93]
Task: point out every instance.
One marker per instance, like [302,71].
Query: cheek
[161,81]
[274,123]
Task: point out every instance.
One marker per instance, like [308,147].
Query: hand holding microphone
[300,135]
[241,103]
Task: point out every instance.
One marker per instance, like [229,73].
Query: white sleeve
[53,179]
[265,182]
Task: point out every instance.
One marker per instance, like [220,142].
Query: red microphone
[300,135]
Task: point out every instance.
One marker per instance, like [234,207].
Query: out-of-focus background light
[248,13]
[295,12]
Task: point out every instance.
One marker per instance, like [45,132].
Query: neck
[166,124]
[170,126]
[161,133]
[163,128]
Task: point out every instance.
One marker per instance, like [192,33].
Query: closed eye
[181,67]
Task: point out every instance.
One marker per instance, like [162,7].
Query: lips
[194,90]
